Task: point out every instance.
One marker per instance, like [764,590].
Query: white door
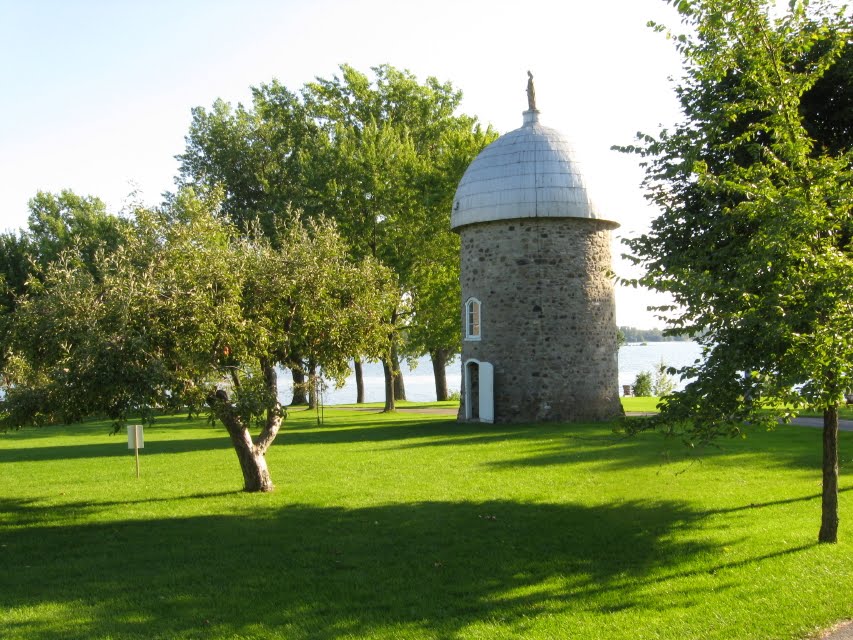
[487,392]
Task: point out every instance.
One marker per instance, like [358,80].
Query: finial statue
[531,93]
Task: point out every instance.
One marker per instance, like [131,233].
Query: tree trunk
[312,385]
[389,386]
[251,455]
[399,386]
[253,464]
[829,502]
[439,364]
[359,381]
[299,391]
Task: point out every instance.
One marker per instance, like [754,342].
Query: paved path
[842,631]
[843,425]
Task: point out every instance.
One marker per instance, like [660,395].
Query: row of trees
[382,158]
[306,230]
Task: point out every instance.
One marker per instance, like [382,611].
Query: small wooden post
[136,448]
[135,441]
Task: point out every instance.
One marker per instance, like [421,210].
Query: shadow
[783,447]
[402,428]
[312,572]
[115,447]
[769,503]
[30,511]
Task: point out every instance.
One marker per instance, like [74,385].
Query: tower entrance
[479,391]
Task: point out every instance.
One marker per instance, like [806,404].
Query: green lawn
[411,526]
[649,404]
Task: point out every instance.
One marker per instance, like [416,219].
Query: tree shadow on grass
[411,433]
[786,447]
[116,447]
[321,573]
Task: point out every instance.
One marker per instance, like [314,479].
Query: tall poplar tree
[755,237]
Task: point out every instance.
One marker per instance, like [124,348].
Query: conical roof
[531,172]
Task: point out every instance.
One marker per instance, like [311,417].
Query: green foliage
[664,384]
[381,155]
[658,382]
[459,531]
[262,157]
[185,307]
[396,154]
[754,239]
[57,223]
[643,384]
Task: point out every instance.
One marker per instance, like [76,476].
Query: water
[420,384]
[634,358]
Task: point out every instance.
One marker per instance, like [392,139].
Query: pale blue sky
[97,94]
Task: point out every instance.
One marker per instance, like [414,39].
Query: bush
[664,383]
[643,384]
[658,383]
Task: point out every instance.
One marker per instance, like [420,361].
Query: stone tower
[538,308]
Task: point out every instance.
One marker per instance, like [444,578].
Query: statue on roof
[531,93]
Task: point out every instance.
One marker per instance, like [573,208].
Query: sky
[96,94]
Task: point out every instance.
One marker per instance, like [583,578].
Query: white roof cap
[527,173]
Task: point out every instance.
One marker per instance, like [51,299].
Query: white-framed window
[473,312]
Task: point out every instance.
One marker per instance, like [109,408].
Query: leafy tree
[663,383]
[57,222]
[263,158]
[381,156]
[397,153]
[754,239]
[827,107]
[260,156]
[189,314]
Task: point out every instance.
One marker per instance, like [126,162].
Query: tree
[827,107]
[380,155]
[263,159]
[435,288]
[57,222]
[260,156]
[187,313]
[397,152]
[754,237]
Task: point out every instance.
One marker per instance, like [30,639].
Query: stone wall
[547,317]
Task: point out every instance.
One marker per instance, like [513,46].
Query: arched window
[472,319]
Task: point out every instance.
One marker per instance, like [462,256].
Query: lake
[420,386]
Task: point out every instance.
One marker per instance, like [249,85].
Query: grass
[641,404]
[411,526]
[649,405]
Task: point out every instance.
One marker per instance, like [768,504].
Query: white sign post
[135,441]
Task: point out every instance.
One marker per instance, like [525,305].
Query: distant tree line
[632,334]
